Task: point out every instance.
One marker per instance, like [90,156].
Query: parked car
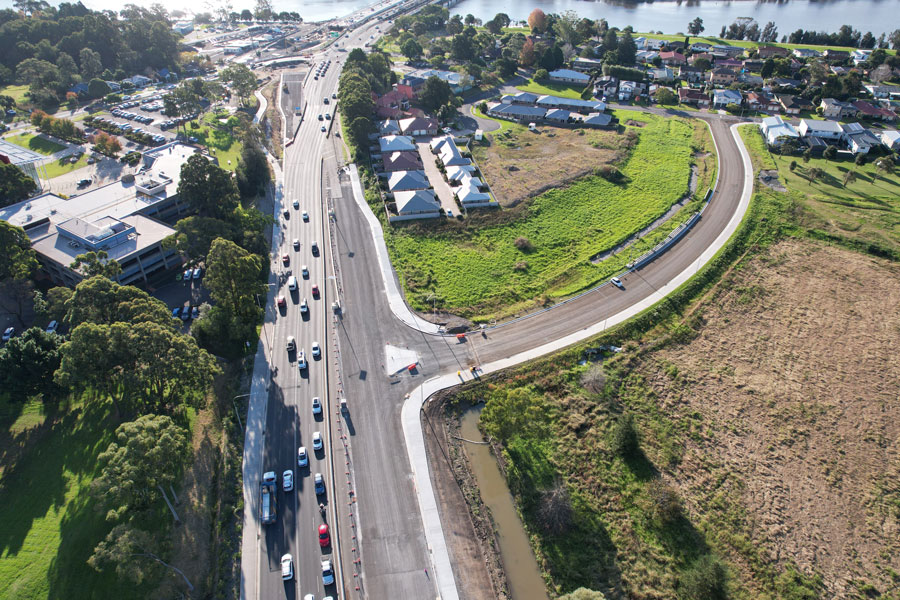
[187,274]
[52,327]
[185,313]
[8,333]
[197,273]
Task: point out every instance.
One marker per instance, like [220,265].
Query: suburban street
[377,528]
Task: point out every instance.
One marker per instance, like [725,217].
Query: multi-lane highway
[378,540]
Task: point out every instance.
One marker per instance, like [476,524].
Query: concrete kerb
[412,430]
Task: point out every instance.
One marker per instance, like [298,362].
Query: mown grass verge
[64,165]
[35,143]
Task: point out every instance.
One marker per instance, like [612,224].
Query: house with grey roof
[396,143]
[569,76]
[826,130]
[417,204]
[777,131]
[404,181]
[388,127]
[401,161]
[859,139]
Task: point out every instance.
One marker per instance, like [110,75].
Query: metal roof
[19,155]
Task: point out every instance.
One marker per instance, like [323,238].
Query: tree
[37,73]
[502,19]
[555,514]
[586,29]
[195,234]
[127,546]
[96,263]
[435,93]
[253,169]
[360,128]
[411,49]
[462,48]
[807,154]
[768,68]
[537,20]
[27,364]
[97,88]
[494,27]
[625,441]
[884,166]
[527,55]
[894,39]
[17,259]
[860,160]
[769,33]
[706,579]
[91,63]
[583,594]
[15,185]
[666,97]
[627,50]
[830,152]
[103,301]
[664,502]
[849,177]
[696,27]
[241,78]
[564,27]
[541,74]
[263,10]
[455,25]
[246,15]
[814,173]
[209,190]
[232,277]
[67,69]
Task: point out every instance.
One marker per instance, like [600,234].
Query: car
[617,282]
[305,271]
[185,313]
[187,274]
[301,360]
[192,139]
[323,128]
[297,205]
[321,117]
[287,567]
[319,483]
[197,273]
[305,216]
[316,351]
[314,247]
[316,77]
[270,477]
[286,258]
[324,539]
[317,441]
[327,573]
[195,312]
[334,96]
[287,480]
[286,213]
[291,344]
[296,244]
[280,301]
[176,312]
[315,291]
[84,182]
[316,406]
[52,327]
[302,457]
[8,333]
[325,99]
[449,213]
[327,116]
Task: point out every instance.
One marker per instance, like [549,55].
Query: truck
[267,495]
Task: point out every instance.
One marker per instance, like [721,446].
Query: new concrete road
[371,493]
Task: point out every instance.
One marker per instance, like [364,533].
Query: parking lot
[181,294]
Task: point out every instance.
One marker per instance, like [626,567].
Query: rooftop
[18,155]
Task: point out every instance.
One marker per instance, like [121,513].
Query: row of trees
[61,128]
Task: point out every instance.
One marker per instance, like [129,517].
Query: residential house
[587,64]
[183,27]
[629,90]
[448,153]
[702,55]
[569,76]
[410,86]
[643,43]
[691,74]
[694,97]
[806,53]
[883,90]
[731,63]
[572,104]
[558,115]
[891,139]
[396,143]
[722,98]
[166,75]
[457,173]
[752,65]
[836,55]
[645,56]
[777,131]
[437,144]
[838,70]
[765,52]
[419,204]
[388,127]
[672,58]
[763,101]
[404,181]
[114,86]
[678,46]
[606,87]
[815,145]
[870,111]
[419,126]
[453,79]
[469,193]
[722,76]
[750,79]
[139,80]
[81,89]
[785,83]
[700,47]
[826,130]
[860,56]
[519,98]
[401,161]
[596,120]
[835,109]
[859,139]
[516,112]
[664,74]
[391,105]
[728,50]
[792,105]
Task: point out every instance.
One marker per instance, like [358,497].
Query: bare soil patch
[795,375]
[519,164]
[770,179]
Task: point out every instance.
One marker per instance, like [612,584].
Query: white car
[304,271]
[617,282]
[287,567]
[316,406]
[296,244]
[301,360]
[317,441]
[327,573]
[52,327]
[305,215]
[290,343]
[304,308]
[270,477]
[8,333]
[287,480]
[316,351]
[302,457]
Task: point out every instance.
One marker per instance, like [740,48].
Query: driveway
[441,187]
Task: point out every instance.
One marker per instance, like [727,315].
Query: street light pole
[236,411]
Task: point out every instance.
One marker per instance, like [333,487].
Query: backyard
[496,264]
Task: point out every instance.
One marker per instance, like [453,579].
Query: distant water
[668,16]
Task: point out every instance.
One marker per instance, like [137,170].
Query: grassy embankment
[475,269]
[555,423]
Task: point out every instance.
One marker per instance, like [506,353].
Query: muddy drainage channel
[522,573]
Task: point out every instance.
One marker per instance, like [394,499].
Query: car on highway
[8,333]
[315,291]
[287,480]
[327,116]
[291,344]
[323,128]
[286,258]
[286,213]
[334,96]
[314,247]
[316,406]
[324,538]
[287,567]
[296,204]
[319,483]
[305,272]
[316,350]
[292,283]
[317,441]
[617,282]
[321,118]
[327,573]
[301,360]
[305,216]
[304,306]
[316,77]
[296,244]
[302,457]
[280,301]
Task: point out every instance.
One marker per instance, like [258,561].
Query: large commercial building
[127,220]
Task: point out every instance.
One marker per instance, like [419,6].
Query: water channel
[525,582]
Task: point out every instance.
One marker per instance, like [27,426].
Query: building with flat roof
[127,220]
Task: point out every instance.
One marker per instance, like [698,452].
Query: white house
[722,98]
[418,204]
[569,76]
[643,43]
[859,139]
[860,56]
[891,140]
[396,143]
[826,130]
[777,130]
[389,127]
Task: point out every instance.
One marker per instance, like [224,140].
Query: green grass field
[48,525]
[62,166]
[552,89]
[480,273]
[16,91]
[35,143]
[221,143]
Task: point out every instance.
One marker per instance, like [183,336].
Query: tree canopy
[27,364]
[208,189]
[15,185]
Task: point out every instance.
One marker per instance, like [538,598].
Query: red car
[280,301]
[315,291]
[285,258]
[324,540]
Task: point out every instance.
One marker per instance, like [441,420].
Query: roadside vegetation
[495,264]
[672,468]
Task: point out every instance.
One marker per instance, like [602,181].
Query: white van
[292,283]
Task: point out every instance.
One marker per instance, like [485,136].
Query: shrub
[625,441]
[555,514]
[594,379]
[541,74]
[665,503]
[609,173]
[523,244]
[520,266]
[706,579]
